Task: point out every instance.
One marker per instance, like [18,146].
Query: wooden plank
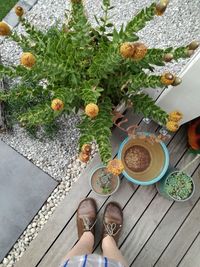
[136,209]
[67,208]
[192,258]
[63,244]
[182,240]
[167,229]
[58,249]
[147,224]
[121,196]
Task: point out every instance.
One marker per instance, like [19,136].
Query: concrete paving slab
[23,190]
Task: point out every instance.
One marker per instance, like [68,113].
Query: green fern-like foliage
[79,64]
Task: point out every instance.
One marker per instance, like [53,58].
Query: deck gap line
[138,220]
[101,207]
[177,231]
[188,249]
[196,169]
[148,205]
[158,226]
[122,209]
[58,235]
[153,232]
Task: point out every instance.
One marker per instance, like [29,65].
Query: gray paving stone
[23,190]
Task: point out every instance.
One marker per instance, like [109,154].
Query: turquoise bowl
[155,179]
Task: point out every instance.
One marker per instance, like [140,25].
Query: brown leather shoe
[86,216]
[112,221]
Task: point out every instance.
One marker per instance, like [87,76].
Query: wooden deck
[157,232]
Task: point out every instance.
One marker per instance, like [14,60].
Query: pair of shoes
[87,217]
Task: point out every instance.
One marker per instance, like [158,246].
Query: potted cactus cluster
[79,67]
[103,182]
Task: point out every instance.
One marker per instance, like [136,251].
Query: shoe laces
[111,228]
[86,223]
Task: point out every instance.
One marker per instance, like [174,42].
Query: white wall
[186,96]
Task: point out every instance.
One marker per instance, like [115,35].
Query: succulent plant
[105,181]
[179,185]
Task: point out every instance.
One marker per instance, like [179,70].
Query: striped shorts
[91,260]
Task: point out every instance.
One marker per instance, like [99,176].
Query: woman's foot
[112,221]
[86,216]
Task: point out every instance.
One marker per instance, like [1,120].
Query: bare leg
[110,250]
[84,246]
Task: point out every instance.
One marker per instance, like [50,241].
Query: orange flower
[57,104]
[28,60]
[167,78]
[140,51]
[86,148]
[92,110]
[19,11]
[115,166]
[172,126]
[175,116]
[127,50]
[84,157]
[4,29]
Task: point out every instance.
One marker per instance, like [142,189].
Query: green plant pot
[97,189]
[162,183]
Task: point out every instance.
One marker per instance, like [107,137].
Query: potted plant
[78,66]
[177,184]
[145,158]
[104,183]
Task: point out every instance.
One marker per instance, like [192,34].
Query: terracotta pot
[96,185]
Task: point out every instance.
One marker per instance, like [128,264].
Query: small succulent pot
[177,186]
[103,183]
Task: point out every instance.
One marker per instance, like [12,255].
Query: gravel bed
[58,157]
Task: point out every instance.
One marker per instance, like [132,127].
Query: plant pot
[96,182]
[161,186]
[144,163]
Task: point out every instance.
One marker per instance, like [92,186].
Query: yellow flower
[140,51]
[57,104]
[86,148]
[175,116]
[127,50]
[115,166]
[92,110]
[28,60]
[4,29]
[167,78]
[19,11]
[172,126]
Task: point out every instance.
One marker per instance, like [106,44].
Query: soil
[96,186]
[137,158]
